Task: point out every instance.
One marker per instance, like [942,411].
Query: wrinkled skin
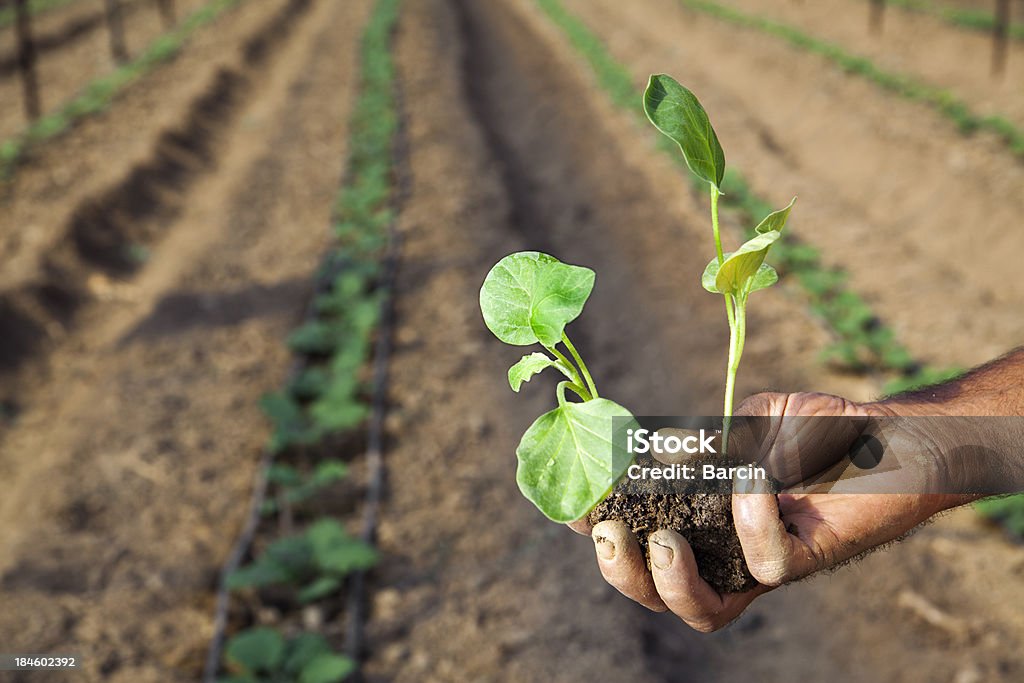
[784,537]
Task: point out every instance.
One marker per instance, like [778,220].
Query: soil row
[145,428]
[511,147]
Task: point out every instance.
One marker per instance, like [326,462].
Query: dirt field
[885,186]
[73,47]
[925,46]
[155,259]
[129,468]
[532,156]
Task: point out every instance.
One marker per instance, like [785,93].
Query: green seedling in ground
[566,460]
[262,655]
[1008,511]
[317,561]
[676,112]
[294,488]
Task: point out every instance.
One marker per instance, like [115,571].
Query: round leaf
[567,460]
[256,650]
[677,113]
[529,297]
[707,280]
[327,668]
[765,277]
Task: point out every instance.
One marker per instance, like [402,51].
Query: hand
[784,537]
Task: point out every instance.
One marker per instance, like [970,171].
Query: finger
[622,564]
[773,555]
[680,586]
[581,526]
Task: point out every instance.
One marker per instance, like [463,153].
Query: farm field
[157,257]
[73,48]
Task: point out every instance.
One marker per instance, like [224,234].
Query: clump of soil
[703,519]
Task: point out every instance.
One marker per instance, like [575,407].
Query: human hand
[784,537]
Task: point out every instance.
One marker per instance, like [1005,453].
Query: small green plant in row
[315,562]
[327,397]
[98,94]
[264,655]
[1007,511]
[293,488]
[942,100]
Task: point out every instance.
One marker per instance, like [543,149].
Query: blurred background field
[251,424]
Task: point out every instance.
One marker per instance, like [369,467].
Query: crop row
[942,100]
[327,401]
[862,341]
[97,95]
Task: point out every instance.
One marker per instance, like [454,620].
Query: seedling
[676,112]
[315,561]
[566,461]
[262,655]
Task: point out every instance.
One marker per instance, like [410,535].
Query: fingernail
[661,555]
[743,485]
[605,548]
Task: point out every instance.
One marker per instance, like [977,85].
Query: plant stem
[574,388]
[576,378]
[583,366]
[737,338]
[715,194]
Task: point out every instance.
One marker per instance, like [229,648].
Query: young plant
[676,112]
[316,562]
[262,655]
[567,463]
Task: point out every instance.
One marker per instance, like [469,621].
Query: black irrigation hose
[328,271]
[374,453]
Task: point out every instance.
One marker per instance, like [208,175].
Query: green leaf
[256,650]
[567,462]
[740,266]
[707,280]
[531,364]
[748,260]
[293,553]
[320,588]
[262,572]
[529,297]
[765,277]
[776,220]
[337,552]
[677,113]
[302,649]
[327,668]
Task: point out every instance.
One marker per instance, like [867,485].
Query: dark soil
[703,519]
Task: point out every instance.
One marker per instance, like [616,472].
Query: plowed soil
[512,147]
[128,469]
[155,259]
[72,48]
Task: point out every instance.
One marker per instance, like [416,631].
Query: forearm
[996,388]
[977,425]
